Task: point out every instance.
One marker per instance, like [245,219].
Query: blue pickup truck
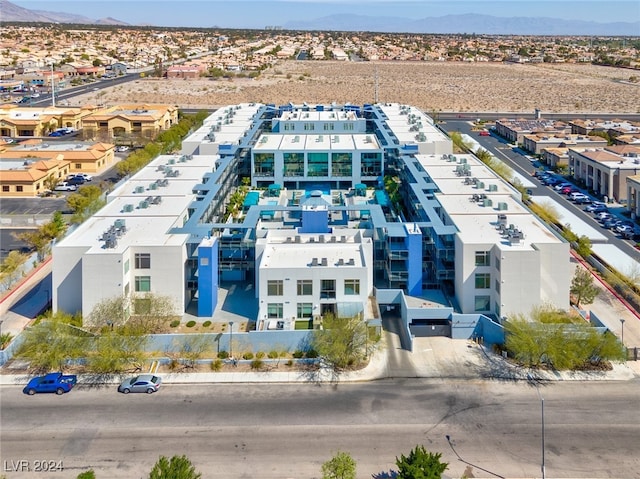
[51,383]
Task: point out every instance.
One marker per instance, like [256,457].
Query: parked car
[625,230]
[76,180]
[596,207]
[560,186]
[611,223]
[51,383]
[579,197]
[56,133]
[484,133]
[145,383]
[122,148]
[65,186]
[84,176]
[603,216]
[567,190]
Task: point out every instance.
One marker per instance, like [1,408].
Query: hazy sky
[258,14]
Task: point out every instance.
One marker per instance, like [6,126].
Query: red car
[566,190]
[484,133]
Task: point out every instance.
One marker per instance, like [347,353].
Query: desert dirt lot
[431,86]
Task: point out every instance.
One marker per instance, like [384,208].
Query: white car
[122,148]
[64,186]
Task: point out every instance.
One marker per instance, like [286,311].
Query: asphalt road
[288,431]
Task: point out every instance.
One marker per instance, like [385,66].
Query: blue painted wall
[414,260]
[207,277]
[315,221]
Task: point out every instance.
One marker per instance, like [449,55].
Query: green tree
[5,339]
[109,313]
[178,467]
[583,288]
[340,466]
[420,464]
[41,239]
[87,475]
[87,201]
[49,345]
[583,247]
[11,268]
[460,145]
[342,342]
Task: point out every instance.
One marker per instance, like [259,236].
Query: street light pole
[533,381]
[231,339]
[622,335]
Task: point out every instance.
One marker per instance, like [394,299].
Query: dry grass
[430,86]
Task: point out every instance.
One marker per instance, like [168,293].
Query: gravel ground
[431,86]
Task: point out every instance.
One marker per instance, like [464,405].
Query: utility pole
[53,89]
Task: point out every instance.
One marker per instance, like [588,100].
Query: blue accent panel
[414,259]
[207,277]
[315,221]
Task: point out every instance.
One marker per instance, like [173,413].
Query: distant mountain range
[14,13]
[466,23]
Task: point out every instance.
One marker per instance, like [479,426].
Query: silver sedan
[145,383]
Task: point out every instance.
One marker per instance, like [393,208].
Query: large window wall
[263,164]
[318,164]
[371,164]
[293,164]
[341,164]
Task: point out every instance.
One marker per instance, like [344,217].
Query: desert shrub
[260,354]
[257,364]
[206,324]
[175,323]
[223,354]
[191,324]
[298,354]
[311,354]
[216,365]
[174,364]
[273,354]
[247,355]
[289,362]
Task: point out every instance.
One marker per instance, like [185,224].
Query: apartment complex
[316,232]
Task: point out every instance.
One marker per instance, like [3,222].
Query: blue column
[207,277]
[413,243]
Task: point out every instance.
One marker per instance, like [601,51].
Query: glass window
[274,310]
[341,164]
[19,188]
[305,310]
[143,284]
[498,263]
[204,261]
[351,286]
[497,286]
[309,126]
[5,187]
[305,287]
[126,266]
[289,127]
[328,289]
[370,164]
[318,164]
[275,287]
[483,258]
[482,303]
[263,164]
[293,164]
[348,126]
[328,127]
[483,281]
[142,260]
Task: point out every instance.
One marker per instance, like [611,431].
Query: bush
[247,355]
[257,364]
[191,324]
[273,355]
[173,364]
[298,354]
[206,324]
[289,362]
[216,365]
[260,354]
[223,354]
[175,323]
[312,354]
